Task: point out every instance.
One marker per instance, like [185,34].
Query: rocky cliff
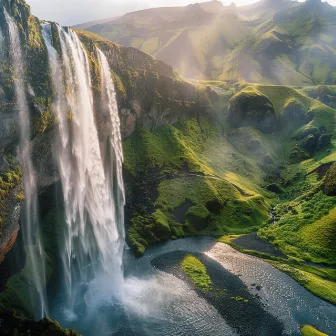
[149,95]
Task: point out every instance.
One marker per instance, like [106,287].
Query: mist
[71,12]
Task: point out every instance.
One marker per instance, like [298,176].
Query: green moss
[307,230]
[251,107]
[44,122]
[185,159]
[196,271]
[14,325]
[239,299]
[307,330]
[198,216]
[8,181]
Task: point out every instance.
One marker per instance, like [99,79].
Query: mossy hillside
[254,108]
[319,114]
[305,227]
[13,325]
[212,164]
[307,212]
[307,330]
[281,96]
[190,162]
[196,271]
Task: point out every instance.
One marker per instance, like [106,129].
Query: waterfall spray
[93,191]
[30,219]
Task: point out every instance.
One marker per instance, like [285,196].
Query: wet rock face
[252,109]
[149,95]
[12,325]
[10,227]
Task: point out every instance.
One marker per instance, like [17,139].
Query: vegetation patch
[307,330]
[239,299]
[8,181]
[13,325]
[197,272]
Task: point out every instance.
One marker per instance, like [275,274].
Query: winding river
[158,300]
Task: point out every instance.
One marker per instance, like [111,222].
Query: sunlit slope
[192,39]
[270,42]
[296,46]
[208,175]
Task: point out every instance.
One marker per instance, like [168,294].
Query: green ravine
[219,157]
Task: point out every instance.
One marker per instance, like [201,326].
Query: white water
[91,176]
[30,219]
[2,46]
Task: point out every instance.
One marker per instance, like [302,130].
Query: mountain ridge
[271,41]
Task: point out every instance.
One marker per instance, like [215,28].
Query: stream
[158,300]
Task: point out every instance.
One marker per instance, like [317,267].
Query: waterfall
[2,46]
[91,177]
[30,218]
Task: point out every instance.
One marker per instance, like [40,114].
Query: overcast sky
[70,12]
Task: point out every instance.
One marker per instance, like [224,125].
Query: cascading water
[2,45]
[93,191]
[30,219]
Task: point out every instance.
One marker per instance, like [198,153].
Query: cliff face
[149,95]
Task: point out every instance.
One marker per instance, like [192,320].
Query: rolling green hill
[270,42]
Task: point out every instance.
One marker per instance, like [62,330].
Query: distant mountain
[271,41]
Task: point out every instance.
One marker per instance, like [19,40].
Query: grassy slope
[307,330]
[192,163]
[208,163]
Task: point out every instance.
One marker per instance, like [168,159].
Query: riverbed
[157,299]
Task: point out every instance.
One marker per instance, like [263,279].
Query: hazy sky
[70,12]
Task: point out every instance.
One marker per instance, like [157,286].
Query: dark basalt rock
[252,109]
[324,141]
[267,160]
[11,325]
[330,181]
[297,154]
[309,144]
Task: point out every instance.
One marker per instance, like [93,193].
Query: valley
[169,172]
